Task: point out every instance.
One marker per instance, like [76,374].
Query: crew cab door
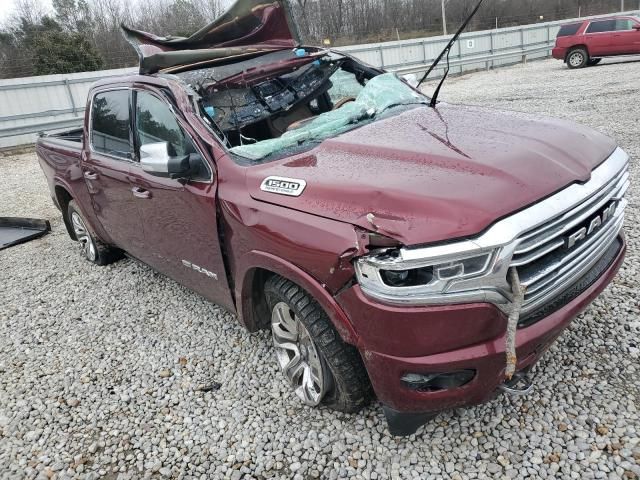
[599,37]
[106,162]
[179,219]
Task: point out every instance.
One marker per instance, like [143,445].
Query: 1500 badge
[284,186]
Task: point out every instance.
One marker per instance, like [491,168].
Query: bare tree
[341,21]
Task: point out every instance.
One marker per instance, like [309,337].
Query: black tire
[577,58]
[93,249]
[594,61]
[350,388]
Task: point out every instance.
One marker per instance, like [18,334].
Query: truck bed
[73,135]
[59,156]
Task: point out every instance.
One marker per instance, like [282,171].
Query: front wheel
[318,365]
[577,58]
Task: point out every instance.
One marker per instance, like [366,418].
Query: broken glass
[379,94]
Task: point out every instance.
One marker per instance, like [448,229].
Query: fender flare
[89,218]
[574,47]
[59,182]
[254,260]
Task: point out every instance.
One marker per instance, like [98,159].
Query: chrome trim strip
[471,296]
[569,277]
[507,230]
[576,252]
[538,253]
[543,248]
[575,216]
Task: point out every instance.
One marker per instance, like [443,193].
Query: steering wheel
[337,105]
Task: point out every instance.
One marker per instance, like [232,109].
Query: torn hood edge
[247,28]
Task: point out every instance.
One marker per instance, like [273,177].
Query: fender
[255,260]
[87,210]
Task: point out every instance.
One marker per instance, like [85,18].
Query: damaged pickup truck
[427,254]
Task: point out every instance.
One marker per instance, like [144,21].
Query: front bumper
[400,340]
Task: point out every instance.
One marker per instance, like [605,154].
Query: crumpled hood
[429,175]
[247,29]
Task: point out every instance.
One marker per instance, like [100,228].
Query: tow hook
[521,384]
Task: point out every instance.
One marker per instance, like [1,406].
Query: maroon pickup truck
[392,247]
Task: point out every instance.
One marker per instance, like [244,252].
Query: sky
[7,7]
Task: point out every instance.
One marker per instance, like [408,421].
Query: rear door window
[568,30]
[624,25]
[602,26]
[110,124]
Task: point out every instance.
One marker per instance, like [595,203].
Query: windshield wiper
[444,52]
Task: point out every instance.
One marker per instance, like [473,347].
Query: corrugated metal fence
[53,102]
[48,102]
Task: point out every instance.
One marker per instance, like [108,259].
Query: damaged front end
[447,274]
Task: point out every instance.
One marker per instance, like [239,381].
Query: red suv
[585,43]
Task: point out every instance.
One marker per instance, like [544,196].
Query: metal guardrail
[51,83]
[470,60]
[63,98]
[41,127]
[77,121]
[57,102]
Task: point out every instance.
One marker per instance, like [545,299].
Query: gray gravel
[102,370]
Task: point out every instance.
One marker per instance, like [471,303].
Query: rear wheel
[577,58]
[92,249]
[317,364]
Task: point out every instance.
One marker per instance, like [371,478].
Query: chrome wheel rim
[82,234]
[575,59]
[298,356]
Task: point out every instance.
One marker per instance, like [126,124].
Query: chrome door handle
[141,192]
[89,175]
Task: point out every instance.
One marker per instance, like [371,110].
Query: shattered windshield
[308,105]
[378,95]
[260,91]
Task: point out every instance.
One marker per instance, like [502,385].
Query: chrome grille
[547,265]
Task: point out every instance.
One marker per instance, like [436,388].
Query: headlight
[395,277]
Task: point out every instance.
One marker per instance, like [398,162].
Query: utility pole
[622,5]
[444,17]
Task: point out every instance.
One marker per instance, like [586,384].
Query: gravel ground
[113,372]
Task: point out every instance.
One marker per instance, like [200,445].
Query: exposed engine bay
[276,96]
[267,109]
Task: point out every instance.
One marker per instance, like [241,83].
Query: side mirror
[636,27]
[155,160]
